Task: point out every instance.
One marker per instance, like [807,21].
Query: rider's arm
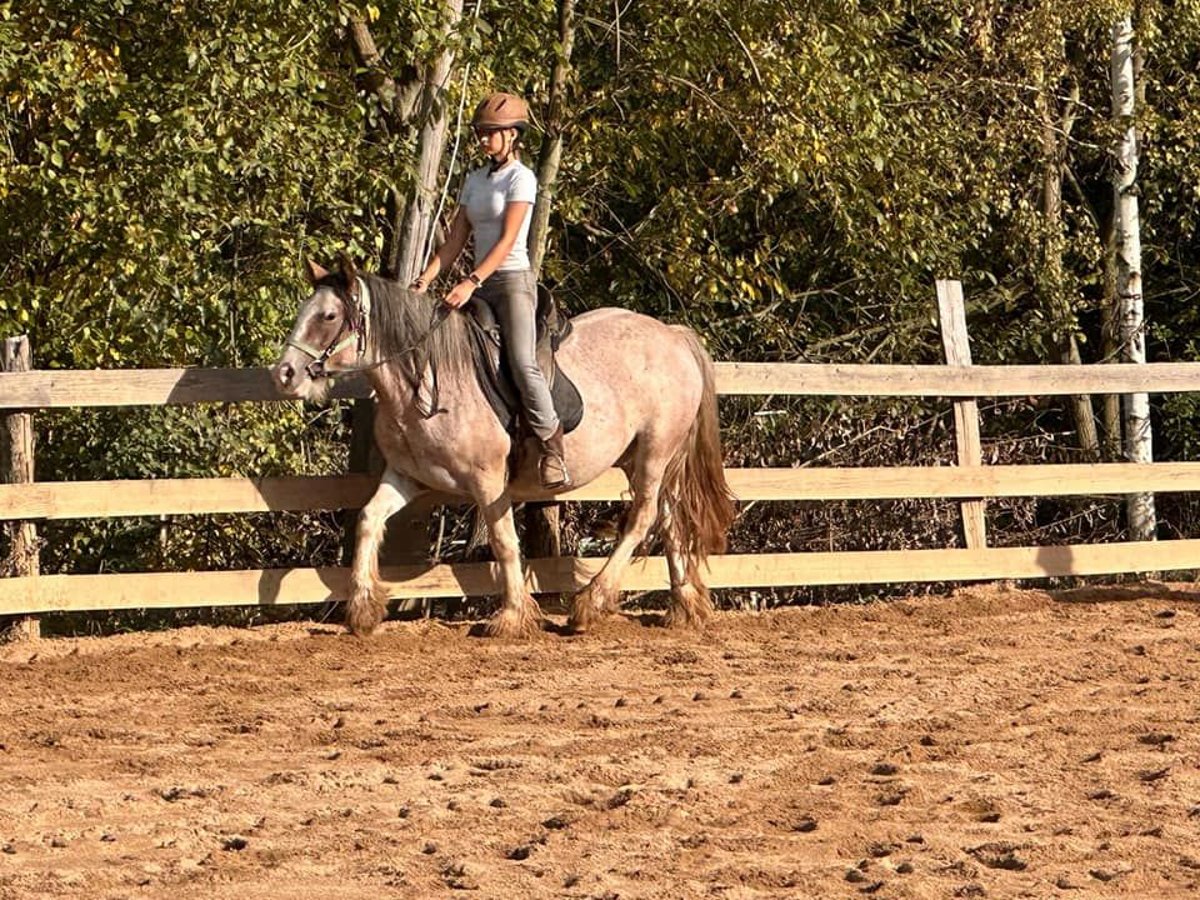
[460,230]
[514,216]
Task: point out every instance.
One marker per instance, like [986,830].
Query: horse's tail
[699,502]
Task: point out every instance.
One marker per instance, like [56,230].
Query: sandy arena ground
[996,743]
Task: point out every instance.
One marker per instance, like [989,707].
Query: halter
[355,322]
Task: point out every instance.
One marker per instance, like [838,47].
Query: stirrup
[552,472]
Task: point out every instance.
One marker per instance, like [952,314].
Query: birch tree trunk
[1138,446]
[543,536]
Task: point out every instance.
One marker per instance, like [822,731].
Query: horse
[649,408]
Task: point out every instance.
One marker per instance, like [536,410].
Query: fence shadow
[271,591]
[1124,593]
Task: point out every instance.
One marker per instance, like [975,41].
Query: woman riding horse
[496,204]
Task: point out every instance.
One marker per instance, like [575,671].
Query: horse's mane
[400,331]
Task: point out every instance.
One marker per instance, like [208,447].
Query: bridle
[359,312]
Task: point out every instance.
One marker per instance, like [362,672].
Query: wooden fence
[970,481]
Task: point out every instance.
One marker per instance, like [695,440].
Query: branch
[399,100]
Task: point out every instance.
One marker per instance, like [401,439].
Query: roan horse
[649,408]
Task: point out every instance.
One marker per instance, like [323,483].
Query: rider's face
[495,141]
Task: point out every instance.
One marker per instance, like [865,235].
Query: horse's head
[329,334]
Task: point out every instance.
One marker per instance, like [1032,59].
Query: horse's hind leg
[603,593]
[691,604]
[367,603]
[519,616]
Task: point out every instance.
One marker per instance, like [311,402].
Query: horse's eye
[330,316]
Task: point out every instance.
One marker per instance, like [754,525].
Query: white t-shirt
[484,196]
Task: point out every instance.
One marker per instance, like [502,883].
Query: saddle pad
[495,379]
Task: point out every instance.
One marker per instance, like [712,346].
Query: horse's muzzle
[284,377]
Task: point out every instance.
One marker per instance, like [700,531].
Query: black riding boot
[552,467]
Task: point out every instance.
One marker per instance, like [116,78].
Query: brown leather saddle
[495,376]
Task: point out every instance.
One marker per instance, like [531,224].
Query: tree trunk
[1055,133]
[1138,444]
[543,534]
[1111,338]
[552,143]
[421,98]
[398,99]
[434,116]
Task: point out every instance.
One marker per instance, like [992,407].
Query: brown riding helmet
[501,110]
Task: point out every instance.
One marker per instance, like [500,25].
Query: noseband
[358,314]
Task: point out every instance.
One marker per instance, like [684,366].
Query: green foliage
[790,178]
[167,168]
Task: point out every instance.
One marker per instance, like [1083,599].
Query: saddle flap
[492,368]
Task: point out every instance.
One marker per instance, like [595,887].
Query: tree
[543,520]
[1138,437]
[1057,122]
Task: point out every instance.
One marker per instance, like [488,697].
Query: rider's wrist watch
[475,280]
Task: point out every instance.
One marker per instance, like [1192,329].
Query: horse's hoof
[690,608]
[521,624]
[583,613]
[364,613]
[362,626]
[590,605]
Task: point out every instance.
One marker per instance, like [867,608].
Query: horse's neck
[394,388]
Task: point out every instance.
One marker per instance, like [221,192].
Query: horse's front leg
[367,604]
[519,616]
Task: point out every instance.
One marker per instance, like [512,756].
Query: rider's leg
[513,297]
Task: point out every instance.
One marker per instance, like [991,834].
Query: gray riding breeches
[512,297]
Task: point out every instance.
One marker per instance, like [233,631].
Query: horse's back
[612,329]
[633,367]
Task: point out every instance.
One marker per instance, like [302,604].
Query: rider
[496,203]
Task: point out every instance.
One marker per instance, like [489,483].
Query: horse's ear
[314,271]
[349,270]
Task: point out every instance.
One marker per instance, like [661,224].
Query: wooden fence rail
[199,496]
[46,389]
[270,587]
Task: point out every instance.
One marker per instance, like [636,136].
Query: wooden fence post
[952,314]
[16,467]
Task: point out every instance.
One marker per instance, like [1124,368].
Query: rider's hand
[419,286]
[460,294]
